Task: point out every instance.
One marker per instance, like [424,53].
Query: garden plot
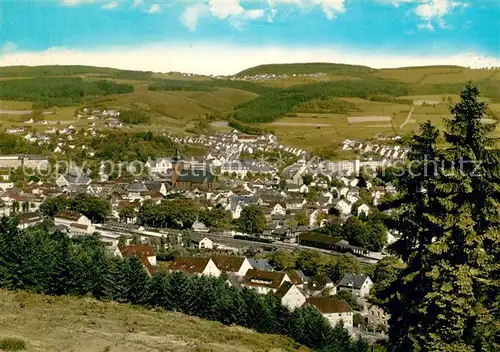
[360,119]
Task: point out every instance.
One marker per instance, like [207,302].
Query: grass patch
[68,323]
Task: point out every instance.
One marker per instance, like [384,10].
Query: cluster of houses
[292,287]
[110,116]
[266,76]
[395,152]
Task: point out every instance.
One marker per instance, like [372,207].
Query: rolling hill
[51,323]
[306,68]
[303,107]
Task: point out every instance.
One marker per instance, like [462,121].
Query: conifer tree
[62,280]
[178,292]
[114,280]
[448,215]
[137,281]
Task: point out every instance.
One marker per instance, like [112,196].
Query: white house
[290,295]
[238,266]
[264,281]
[334,310]
[344,207]
[199,227]
[202,242]
[66,218]
[365,209]
[196,266]
[360,285]
[278,209]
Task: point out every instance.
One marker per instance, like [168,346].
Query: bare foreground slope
[48,323]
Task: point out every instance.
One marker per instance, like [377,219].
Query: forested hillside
[64,70]
[306,68]
[40,261]
[47,92]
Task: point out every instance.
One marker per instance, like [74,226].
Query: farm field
[322,119]
[48,323]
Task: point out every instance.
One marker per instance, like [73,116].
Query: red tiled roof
[228,264]
[328,305]
[68,215]
[137,249]
[192,265]
[292,274]
[271,279]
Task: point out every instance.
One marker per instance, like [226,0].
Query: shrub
[12,344]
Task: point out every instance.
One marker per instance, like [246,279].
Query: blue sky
[392,32]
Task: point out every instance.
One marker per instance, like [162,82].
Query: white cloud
[76,2]
[191,15]
[272,14]
[155,8]
[331,7]
[8,47]
[230,10]
[428,26]
[224,9]
[429,11]
[137,3]
[396,3]
[110,5]
[436,10]
[229,59]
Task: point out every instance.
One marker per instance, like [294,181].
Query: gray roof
[353,280]
[261,264]
[233,280]
[137,187]
[77,179]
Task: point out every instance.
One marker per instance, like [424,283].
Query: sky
[226,36]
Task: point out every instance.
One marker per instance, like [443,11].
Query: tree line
[43,262]
[207,85]
[95,208]
[47,92]
[278,103]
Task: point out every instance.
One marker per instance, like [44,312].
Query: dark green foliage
[177,214]
[38,261]
[252,219]
[207,86]
[95,208]
[391,99]
[331,106]
[47,92]
[246,128]
[12,344]
[276,104]
[135,117]
[446,297]
[72,70]
[120,147]
[370,234]
[181,85]
[349,298]
[136,281]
